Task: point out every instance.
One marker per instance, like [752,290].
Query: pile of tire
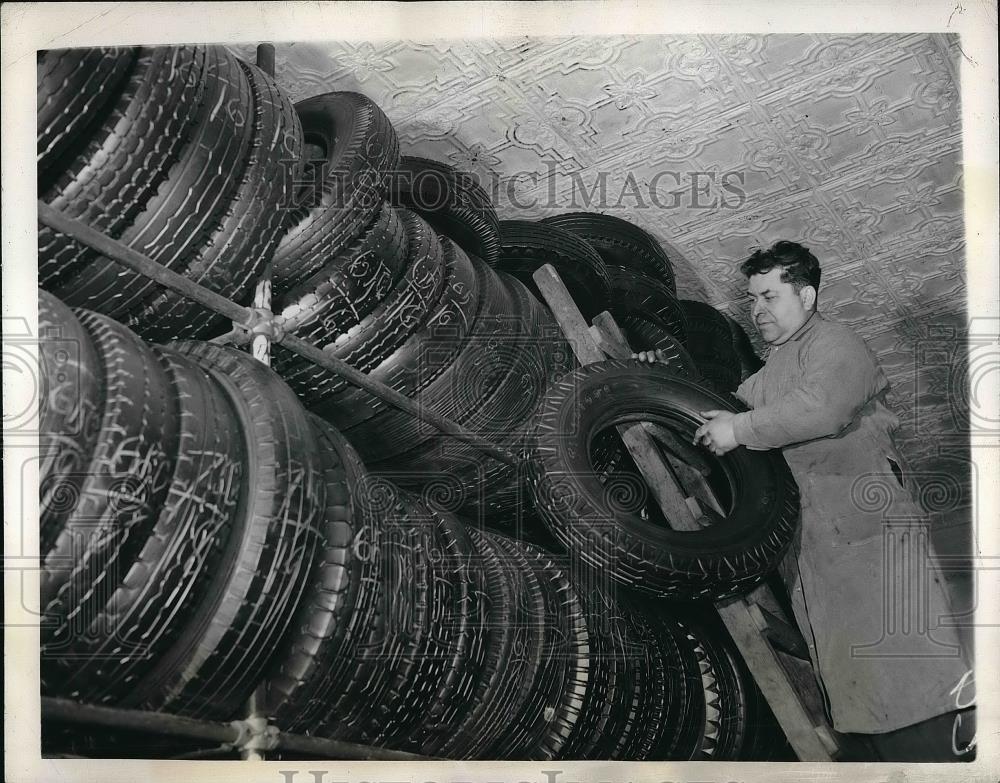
[202,534]
[186,154]
[363,274]
[181,497]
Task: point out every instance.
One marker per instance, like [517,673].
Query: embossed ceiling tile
[761,62]
[438,67]
[584,52]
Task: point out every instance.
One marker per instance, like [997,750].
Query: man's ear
[807,295]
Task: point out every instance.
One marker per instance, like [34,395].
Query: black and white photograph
[457,384]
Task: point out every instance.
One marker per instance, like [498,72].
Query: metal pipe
[70,711]
[137,262]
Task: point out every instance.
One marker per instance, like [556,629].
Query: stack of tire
[364,275]
[201,534]
[186,154]
[181,497]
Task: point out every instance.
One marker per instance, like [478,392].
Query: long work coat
[865,587]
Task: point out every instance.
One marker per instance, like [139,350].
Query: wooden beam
[799,726]
[780,633]
[640,445]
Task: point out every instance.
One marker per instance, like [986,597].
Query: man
[884,667]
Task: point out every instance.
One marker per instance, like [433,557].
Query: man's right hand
[659,355]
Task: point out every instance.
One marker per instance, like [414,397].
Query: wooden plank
[799,726]
[567,315]
[779,633]
[639,443]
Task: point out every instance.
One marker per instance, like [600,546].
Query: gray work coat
[865,587]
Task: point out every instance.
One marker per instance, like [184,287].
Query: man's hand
[717,433]
[650,357]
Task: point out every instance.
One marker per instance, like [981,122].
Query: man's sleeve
[840,376]
[745,392]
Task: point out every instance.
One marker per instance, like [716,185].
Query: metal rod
[70,711]
[265,58]
[123,254]
[134,260]
[390,395]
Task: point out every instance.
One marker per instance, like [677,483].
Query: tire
[750,362]
[646,335]
[497,322]
[712,563]
[347,186]
[187,208]
[70,408]
[464,728]
[313,658]
[644,722]
[453,202]
[75,88]
[345,288]
[620,243]
[710,344]
[224,647]
[232,257]
[526,246]
[682,731]
[384,658]
[513,695]
[126,480]
[726,702]
[609,691]
[636,296]
[379,333]
[127,159]
[138,612]
[547,714]
[426,353]
[440,658]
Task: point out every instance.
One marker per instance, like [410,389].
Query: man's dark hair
[798,266]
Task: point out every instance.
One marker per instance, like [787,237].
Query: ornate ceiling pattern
[718,145]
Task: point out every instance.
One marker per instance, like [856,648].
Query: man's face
[777,310]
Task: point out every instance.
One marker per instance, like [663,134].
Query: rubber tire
[504,619]
[453,202]
[426,353]
[635,295]
[136,618]
[127,159]
[750,362]
[189,205]
[70,408]
[225,645]
[710,344]
[526,246]
[350,285]
[361,152]
[75,88]
[232,258]
[311,658]
[365,345]
[126,479]
[715,562]
[620,243]
[384,657]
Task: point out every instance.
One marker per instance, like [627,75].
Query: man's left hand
[717,433]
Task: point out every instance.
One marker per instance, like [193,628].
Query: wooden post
[807,733]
